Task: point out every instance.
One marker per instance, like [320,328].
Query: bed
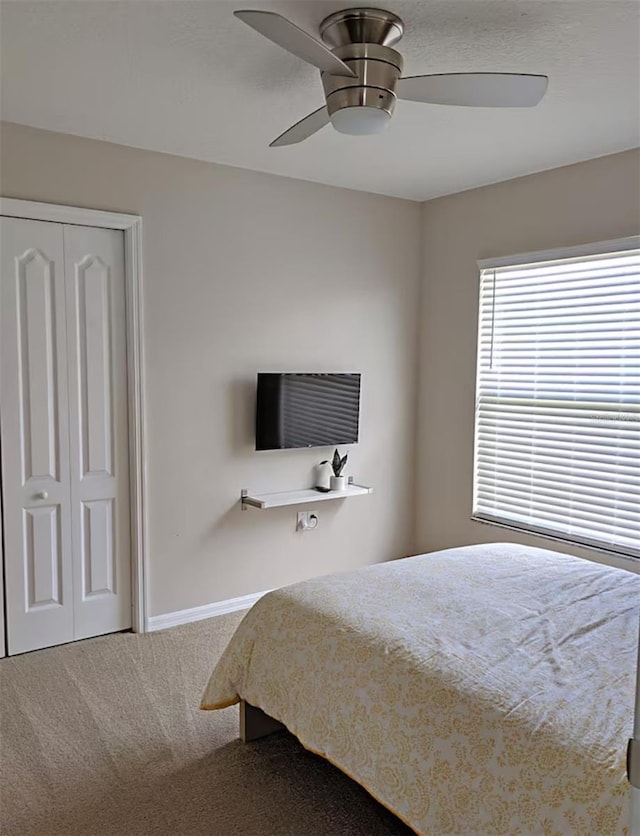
[478,690]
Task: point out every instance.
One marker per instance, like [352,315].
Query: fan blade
[474,89]
[303,129]
[290,37]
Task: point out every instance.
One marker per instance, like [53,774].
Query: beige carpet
[105,737]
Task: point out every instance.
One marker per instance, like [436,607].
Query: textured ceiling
[187,78]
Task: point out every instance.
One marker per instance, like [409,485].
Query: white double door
[64,437]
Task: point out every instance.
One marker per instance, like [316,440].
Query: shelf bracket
[246,501]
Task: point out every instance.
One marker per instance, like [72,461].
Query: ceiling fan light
[360,120]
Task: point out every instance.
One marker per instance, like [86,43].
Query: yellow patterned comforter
[479,690]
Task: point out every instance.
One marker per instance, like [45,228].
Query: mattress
[480,690]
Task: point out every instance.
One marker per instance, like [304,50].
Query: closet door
[96,340]
[35,436]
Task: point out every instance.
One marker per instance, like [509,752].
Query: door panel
[95,370]
[35,454]
[98,535]
[37,355]
[43,557]
[96,339]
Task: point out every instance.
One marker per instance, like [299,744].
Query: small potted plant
[338,481]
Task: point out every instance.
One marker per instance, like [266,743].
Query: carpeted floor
[105,737]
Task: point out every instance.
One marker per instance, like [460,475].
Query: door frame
[131,226]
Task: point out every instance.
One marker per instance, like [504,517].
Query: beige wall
[591,201]
[246,271]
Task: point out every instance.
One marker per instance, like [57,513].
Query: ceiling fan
[361,73]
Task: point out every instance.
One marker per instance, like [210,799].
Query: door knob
[42,495]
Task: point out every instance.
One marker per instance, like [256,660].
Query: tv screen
[306,410]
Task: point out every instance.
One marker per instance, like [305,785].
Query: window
[557,433]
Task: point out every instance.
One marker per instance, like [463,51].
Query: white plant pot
[338,483]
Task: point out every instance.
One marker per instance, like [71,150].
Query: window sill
[632,559]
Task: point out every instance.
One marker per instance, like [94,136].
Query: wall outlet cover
[306,520]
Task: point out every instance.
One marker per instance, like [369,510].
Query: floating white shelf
[283,498]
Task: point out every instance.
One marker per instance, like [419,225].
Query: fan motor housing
[378,69]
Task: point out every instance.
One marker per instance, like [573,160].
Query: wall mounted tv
[306,410]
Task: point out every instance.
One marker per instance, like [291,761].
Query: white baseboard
[172,619]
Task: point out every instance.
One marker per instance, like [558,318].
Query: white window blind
[557,435]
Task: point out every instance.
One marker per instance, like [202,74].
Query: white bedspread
[478,690]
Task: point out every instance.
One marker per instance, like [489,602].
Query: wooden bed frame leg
[254,723]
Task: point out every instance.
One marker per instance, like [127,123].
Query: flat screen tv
[306,410]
